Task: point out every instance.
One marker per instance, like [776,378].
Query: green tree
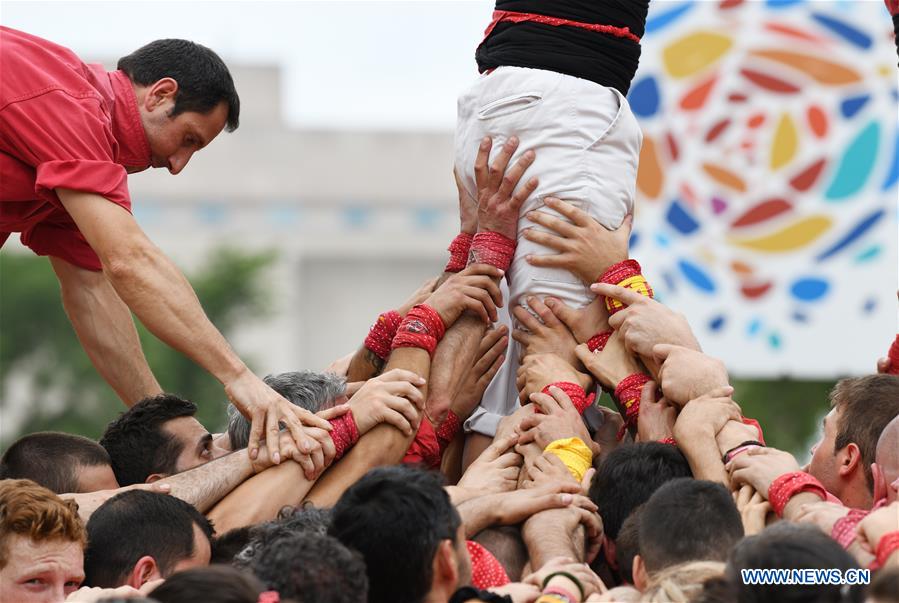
[38,347]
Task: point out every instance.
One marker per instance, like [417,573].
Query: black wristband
[724,458]
[571,577]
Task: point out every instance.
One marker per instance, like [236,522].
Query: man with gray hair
[307,389]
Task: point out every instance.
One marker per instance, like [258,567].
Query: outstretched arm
[161,297]
[106,331]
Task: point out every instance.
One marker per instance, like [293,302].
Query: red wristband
[886,546]
[422,328]
[492,248]
[789,485]
[894,357]
[628,393]
[344,434]
[668,440]
[459,252]
[843,530]
[598,342]
[448,429]
[381,334]
[578,396]
[629,275]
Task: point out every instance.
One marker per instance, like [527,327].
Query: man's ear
[155,477]
[446,571]
[850,459]
[160,93]
[143,571]
[641,580]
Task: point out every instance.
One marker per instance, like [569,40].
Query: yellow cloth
[574,453]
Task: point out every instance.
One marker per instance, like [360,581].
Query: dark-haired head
[401,520]
[216,583]
[137,536]
[629,476]
[62,462]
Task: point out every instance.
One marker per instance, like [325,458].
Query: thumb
[499,447]
[662,350]
[588,479]
[648,394]
[563,311]
[333,412]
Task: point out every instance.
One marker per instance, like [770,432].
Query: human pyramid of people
[530,425]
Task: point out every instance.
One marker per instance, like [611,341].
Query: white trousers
[587,143]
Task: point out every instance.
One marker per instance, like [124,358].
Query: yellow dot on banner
[695,52]
[786,141]
[886,70]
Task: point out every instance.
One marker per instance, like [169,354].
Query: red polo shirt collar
[127,127]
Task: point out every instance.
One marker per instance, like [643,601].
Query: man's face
[93,478]
[174,140]
[40,572]
[824,465]
[197,445]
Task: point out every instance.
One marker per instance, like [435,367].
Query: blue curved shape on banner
[856,164]
[645,97]
[696,275]
[853,105]
[809,289]
[663,20]
[848,32]
[857,231]
[893,176]
[680,219]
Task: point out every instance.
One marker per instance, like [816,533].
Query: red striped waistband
[500,16]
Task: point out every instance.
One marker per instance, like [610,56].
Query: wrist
[887,548]
[788,486]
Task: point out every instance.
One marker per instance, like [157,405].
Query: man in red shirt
[69,135]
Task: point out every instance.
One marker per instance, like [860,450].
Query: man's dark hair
[134,524]
[396,517]
[506,544]
[218,583]
[688,520]
[309,568]
[629,476]
[137,445]
[51,459]
[885,585]
[203,78]
[627,545]
[791,546]
[291,520]
[229,544]
[866,406]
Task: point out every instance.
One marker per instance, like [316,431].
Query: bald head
[887,455]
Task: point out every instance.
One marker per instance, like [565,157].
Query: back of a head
[311,520]
[887,452]
[135,524]
[204,80]
[137,445]
[866,406]
[32,511]
[213,584]
[306,389]
[396,517]
[682,582]
[309,568]
[51,459]
[688,520]
[791,546]
[627,545]
[629,476]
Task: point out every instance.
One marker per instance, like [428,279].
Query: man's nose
[178,161]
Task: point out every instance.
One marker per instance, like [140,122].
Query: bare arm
[161,297]
[383,445]
[207,484]
[261,497]
[106,331]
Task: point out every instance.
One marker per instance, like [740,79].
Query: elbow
[127,262]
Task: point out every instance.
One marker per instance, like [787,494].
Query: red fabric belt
[500,16]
